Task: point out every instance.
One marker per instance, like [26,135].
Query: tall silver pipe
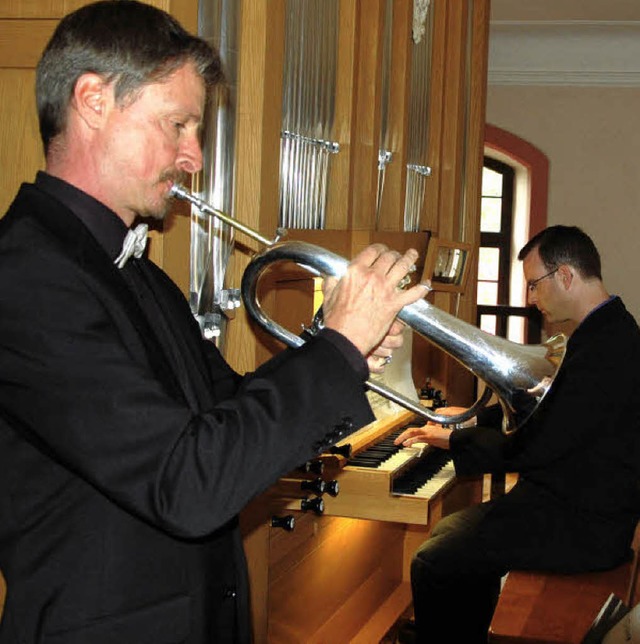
[418,140]
[385,153]
[311,36]
[211,240]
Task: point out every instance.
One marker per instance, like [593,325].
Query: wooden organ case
[342,575]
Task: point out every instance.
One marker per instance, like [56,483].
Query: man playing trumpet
[127,445]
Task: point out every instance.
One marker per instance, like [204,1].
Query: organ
[380,481]
[342,573]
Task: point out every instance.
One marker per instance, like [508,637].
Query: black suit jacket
[579,454]
[128,446]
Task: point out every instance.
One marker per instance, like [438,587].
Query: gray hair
[124,41]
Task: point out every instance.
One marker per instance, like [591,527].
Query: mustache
[173,176]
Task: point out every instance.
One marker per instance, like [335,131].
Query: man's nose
[190,156]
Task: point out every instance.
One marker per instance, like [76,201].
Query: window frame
[503,241]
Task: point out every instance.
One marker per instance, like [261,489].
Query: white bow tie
[134,244]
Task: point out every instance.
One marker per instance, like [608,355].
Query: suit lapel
[170,314]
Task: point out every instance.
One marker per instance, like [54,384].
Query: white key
[401,457]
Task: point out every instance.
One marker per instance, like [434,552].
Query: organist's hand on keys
[431,433]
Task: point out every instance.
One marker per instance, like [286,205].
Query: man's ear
[91,99]
[566,275]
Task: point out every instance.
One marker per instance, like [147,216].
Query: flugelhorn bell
[519,375]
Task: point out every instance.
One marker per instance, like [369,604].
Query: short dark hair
[125,41]
[570,245]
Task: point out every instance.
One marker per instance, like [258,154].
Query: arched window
[514,201]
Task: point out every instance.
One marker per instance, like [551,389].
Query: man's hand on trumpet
[381,355]
[363,304]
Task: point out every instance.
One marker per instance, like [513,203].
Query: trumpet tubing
[519,375]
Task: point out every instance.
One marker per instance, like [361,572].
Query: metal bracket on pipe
[329,146]
[423,170]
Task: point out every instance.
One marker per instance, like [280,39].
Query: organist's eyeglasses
[532,285]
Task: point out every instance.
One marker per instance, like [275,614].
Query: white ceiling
[565,42]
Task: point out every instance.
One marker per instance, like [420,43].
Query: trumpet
[519,375]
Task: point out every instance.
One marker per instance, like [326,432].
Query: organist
[577,500]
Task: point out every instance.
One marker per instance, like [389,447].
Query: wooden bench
[546,608]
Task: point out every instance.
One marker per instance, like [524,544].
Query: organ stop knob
[287,522]
[314,505]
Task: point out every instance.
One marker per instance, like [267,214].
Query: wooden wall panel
[460,381]
[20,148]
[22,41]
[453,126]
[451,377]
[391,216]
[452,207]
[257,151]
[430,213]
[365,137]
[338,202]
[332,560]
[22,9]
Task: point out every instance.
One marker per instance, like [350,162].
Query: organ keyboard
[359,568]
[383,481]
[425,471]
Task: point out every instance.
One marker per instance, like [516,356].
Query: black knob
[332,488]
[428,392]
[344,450]
[313,467]
[287,522]
[317,486]
[315,505]
[439,400]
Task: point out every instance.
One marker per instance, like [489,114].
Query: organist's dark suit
[127,445]
[577,500]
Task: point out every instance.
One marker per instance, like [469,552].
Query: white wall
[591,136]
